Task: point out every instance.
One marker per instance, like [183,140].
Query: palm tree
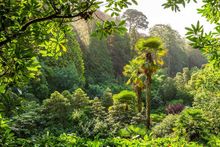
[151,51]
[132,70]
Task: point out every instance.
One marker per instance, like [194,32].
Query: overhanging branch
[50,17]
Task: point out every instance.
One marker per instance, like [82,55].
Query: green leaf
[2,88]
[63,47]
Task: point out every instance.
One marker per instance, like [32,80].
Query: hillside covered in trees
[73,75]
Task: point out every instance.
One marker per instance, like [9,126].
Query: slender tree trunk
[148,73]
[138,92]
[148,101]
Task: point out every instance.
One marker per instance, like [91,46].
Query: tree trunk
[148,73]
[148,101]
[138,92]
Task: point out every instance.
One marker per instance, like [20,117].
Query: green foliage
[157,117]
[9,103]
[6,136]
[133,131]
[119,115]
[207,42]
[57,75]
[181,81]
[38,87]
[95,90]
[98,109]
[214,141]
[135,20]
[107,98]
[175,5]
[49,139]
[148,48]
[173,142]
[29,121]
[192,125]
[205,79]
[69,68]
[80,100]
[180,54]
[167,90]
[88,116]
[98,62]
[30,29]
[209,102]
[125,97]
[132,71]
[123,109]
[74,53]
[204,85]
[165,128]
[56,109]
[119,49]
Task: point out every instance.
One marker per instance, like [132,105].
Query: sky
[156,14]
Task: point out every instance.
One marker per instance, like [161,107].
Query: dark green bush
[56,109]
[6,136]
[29,122]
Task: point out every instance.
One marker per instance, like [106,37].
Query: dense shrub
[107,98]
[6,136]
[192,125]
[172,142]
[98,110]
[138,119]
[165,128]
[120,113]
[123,109]
[133,131]
[56,109]
[167,90]
[126,97]
[29,122]
[204,84]
[72,139]
[10,103]
[157,118]
[95,90]
[209,102]
[80,100]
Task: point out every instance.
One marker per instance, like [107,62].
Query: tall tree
[134,20]
[150,51]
